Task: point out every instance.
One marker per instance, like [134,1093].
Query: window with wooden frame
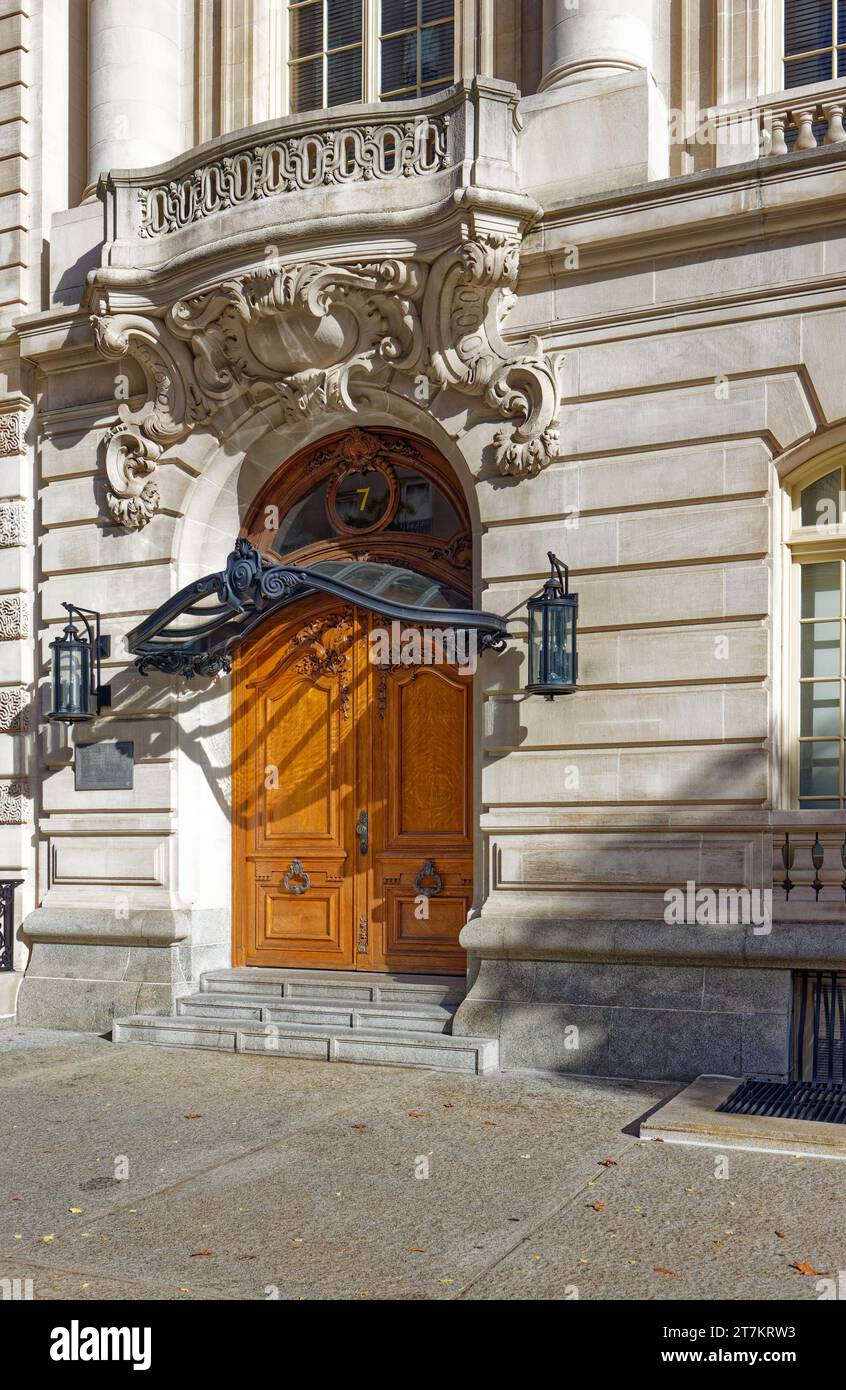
[345,51]
[817,648]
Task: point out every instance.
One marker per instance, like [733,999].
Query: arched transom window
[817,648]
[374,495]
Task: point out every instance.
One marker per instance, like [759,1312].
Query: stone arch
[229,476]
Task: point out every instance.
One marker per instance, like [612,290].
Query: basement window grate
[792,1100]
[817,1089]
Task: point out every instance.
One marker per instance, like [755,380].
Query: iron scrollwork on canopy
[189,636]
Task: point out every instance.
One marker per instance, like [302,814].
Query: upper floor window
[814,41]
[345,51]
[326,53]
[818,647]
[416,47]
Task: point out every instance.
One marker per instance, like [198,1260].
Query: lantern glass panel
[71,680]
[559,620]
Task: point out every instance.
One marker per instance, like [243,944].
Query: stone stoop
[337,1016]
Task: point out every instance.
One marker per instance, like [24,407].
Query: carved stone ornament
[14,618]
[304,334]
[15,803]
[11,434]
[14,709]
[14,524]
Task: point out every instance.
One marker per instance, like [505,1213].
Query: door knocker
[435,887]
[296,871]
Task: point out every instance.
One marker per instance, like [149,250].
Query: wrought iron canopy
[195,632]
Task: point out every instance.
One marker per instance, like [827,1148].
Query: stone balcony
[802,118]
[308,182]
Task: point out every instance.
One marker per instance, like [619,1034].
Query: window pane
[344,18]
[807,25]
[436,9]
[820,649]
[802,72]
[343,77]
[307,86]
[821,590]
[398,14]
[821,709]
[819,805]
[821,501]
[399,62]
[436,53]
[819,769]
[307,30]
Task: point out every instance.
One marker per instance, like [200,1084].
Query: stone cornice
[756,200]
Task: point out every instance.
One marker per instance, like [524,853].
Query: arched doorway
[352,737]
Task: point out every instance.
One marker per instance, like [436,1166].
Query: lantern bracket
[101,647]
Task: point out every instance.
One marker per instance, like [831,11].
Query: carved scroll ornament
[304,335]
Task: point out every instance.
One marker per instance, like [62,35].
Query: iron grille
[7,921]
[817,1089]
[819,1014]
[794,1100]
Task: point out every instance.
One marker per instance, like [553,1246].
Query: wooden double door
[352,800]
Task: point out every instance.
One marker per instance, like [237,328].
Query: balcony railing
[323,164]
[803,118]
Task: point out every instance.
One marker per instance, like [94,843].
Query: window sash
[795,64]
[370,47]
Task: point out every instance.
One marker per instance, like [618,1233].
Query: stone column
[594,38]
[133,84]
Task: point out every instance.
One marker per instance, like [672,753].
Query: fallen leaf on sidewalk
[805,1267]
[416,1250]
[195,1254]
[193,1116]
[674,1272]
[608,1163]
[781,1235]
[596,1206]
[414,1114]
[359,1126]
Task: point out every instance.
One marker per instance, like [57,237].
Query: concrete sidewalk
[250,1178]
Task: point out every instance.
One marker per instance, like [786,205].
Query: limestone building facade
[579,267]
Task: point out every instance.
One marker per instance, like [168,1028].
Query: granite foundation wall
[87,967]
[656,1022]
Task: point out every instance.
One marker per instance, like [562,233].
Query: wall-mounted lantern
[553,660]
[76,673]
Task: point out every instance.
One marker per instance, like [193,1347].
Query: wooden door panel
[424,935]
[300,744]
[428,730]
[312,928]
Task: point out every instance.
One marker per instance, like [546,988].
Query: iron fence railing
[7,921]
[817,856]
[819,1027]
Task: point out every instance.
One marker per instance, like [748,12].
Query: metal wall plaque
[104,767]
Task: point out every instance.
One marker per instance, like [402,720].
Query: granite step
[342,1013]
[381,1047]
[350,987]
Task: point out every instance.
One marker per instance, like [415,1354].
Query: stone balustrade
[806,121]
[354,152]
[803,118]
